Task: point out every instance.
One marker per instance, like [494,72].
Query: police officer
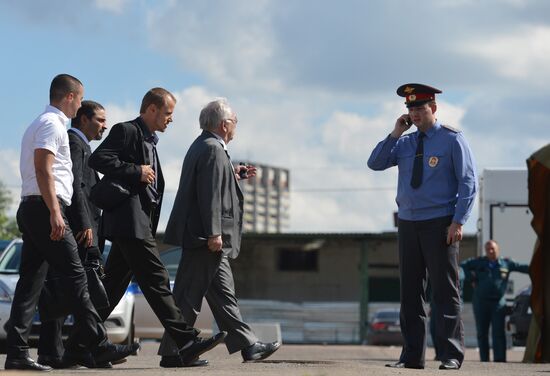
[489,277]
[436,190]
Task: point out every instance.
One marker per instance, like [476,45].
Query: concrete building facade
[266,200]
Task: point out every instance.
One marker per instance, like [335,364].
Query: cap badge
[412,98]
[433,161]
[408,89]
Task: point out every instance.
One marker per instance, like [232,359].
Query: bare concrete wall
[338,275]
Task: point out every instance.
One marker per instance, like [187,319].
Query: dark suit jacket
[120,156]
[209,200]
[82,214]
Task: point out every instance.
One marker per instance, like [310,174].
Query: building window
[295,260]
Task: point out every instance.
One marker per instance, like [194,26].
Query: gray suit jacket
[209,200]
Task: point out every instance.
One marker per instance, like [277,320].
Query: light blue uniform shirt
[449,181]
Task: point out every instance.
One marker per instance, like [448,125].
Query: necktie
[418,167]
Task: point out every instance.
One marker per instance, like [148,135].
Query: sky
[313,83]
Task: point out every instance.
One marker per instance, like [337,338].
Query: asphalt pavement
[306,360]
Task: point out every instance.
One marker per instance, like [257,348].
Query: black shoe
[105,365]
[450,364]
[78,358]
[404,365]
[55,362]
[114,353]
[25,364]
[259,351]
[199,346]
[176,362]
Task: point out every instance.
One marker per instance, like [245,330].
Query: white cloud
[10,176]
[522,54]
[229,42]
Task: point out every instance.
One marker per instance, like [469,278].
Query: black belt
[31,198]
[38,198]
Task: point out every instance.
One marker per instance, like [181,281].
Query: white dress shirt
[48,131]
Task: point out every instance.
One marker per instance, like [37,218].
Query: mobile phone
[408,121]
[243,173]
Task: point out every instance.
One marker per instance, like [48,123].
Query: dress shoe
[104,365]
[404,365]
[27,364]
[176,362]
[450,364]
[83,358]
[198,346]
[56,362]
[259,351]
[114,353]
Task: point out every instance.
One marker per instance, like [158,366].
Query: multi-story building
[266,200]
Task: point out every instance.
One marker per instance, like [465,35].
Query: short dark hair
[156,96]
[63,84]
[88,109]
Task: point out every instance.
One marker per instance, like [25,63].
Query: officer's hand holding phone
[402,124]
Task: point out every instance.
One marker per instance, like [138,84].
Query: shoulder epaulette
[454,130]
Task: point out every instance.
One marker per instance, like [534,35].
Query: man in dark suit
[88,124]
[206,221]
[129,155]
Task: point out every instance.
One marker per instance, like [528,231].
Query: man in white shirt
[48,240]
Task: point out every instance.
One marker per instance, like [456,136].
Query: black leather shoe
[176,362]
[104,365]
[259,351]
[404,365]
[56,362]
[450,364]
[78,358]
[199,346]
[27,364]
[114,353]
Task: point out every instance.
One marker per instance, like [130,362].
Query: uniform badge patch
[433,161]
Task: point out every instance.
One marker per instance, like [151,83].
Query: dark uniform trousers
[202,273]
[490,312]
[38,252]
[140,258]
[423,248]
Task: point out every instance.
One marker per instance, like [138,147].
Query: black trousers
[50,342]
[203,273]
[38,252]
[423,249]
[140,258]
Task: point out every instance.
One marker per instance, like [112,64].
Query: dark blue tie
[418,167]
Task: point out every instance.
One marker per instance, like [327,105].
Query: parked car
[146,323]
[384,328]
[3,244]
[118,324]
[520,317]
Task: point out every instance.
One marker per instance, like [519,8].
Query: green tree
[8,226]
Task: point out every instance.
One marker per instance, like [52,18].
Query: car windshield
[384,315]
[11,259]
[4,244]
[170,258]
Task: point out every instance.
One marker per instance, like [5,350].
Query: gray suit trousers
[202,273]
